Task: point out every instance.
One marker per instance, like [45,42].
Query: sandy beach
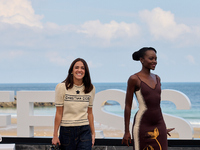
[11,130]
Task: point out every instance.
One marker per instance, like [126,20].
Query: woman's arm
[58,118]
[132,83]
[91,123]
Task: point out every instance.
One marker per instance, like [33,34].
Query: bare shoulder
[133,80]
[156,76]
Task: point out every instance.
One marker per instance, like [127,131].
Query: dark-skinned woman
[149,129]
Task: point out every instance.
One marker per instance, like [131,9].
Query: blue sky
[40,39]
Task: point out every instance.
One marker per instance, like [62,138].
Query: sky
[40,38]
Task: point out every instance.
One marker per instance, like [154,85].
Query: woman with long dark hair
[149,129]
[74,101]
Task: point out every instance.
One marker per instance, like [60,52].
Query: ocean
[192,90]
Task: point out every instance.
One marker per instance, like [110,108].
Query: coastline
[14,104]
[36,104]
[109,132]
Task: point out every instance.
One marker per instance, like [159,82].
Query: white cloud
[11,54]
[19,12]
[51,25]
[162,24]
[191,59]
[93,65]
[110,30]
[56,58]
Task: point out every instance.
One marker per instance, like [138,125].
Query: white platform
[7,146]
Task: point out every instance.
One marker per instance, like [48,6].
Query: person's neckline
[147,83]
[153,88]
[78,85]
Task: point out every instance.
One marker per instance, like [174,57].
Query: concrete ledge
[42,143]
[7,146]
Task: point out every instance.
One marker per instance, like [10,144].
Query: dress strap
[138,77]
[157,79]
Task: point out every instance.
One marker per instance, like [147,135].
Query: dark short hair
[69,83]
[140,53]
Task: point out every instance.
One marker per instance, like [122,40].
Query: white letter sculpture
[110,119]
[182,126]
[6,96]
[26,120]
[181,101]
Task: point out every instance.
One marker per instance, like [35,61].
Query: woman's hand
[55,140]
[93,139]
[169,130]
[126,139]
[58,118]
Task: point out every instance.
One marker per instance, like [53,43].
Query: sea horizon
[93,82]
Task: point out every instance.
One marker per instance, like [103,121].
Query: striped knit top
[75,103]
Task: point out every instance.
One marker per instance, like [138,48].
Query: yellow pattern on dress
[153,135]
[149,147]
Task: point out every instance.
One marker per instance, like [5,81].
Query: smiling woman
[78,72]
[149,129]
[74,101]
